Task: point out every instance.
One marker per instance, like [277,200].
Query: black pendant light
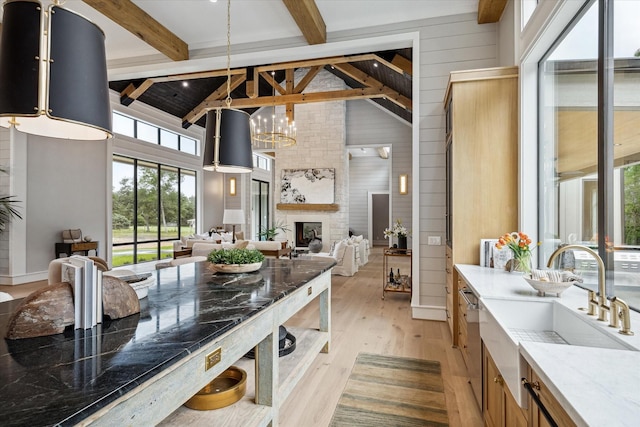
[227,141]
[53,73]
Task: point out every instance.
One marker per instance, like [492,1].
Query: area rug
[385,391]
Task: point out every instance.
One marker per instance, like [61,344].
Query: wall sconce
[232,186]
[404,184]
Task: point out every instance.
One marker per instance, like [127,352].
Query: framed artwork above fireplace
[307,186]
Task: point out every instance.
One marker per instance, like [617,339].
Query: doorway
[378,217]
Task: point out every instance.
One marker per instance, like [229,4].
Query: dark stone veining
[62,379]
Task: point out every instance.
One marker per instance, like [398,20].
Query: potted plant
[269,233]
[7,209]
[235,260]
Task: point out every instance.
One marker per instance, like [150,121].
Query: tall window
[134,128]
[574,189]
[153,205]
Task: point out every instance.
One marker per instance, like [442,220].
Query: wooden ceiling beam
[321,61]
[131,92]
[304,82]
[219,94]
[369,81]
[199,75]
[269,79]
[308,19]
[135,20]
[403,63]
[252,87]
[490,11]
[289,83]
[306,98]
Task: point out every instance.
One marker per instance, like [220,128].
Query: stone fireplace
[304,227]
[305,232]
[319,146]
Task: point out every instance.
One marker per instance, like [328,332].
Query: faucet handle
[620,312]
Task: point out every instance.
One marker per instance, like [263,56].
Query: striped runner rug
[384,391]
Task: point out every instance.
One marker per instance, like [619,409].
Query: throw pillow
[339,251]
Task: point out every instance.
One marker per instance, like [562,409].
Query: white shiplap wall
[368,125]
[446,44]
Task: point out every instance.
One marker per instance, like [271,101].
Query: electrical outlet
[433,240]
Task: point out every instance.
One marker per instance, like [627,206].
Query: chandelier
[273,132]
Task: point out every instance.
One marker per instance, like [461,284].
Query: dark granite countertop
[62,379]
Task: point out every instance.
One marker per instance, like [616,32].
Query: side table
[71,248]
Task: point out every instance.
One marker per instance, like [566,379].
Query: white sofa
[268,248]
[344,252]
[363,249]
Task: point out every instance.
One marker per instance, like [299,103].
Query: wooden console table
[71,248]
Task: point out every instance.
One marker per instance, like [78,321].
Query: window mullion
[605,139]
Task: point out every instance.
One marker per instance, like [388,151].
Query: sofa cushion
[339,250]
[203,249]
[268,245]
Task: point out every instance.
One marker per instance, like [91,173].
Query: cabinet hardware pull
[499,380]
[536,385]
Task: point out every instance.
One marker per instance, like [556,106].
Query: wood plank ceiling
[384,77]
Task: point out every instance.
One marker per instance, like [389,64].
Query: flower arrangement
[519,243]
[397,230]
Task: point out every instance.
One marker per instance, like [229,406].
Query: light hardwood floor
[363,322]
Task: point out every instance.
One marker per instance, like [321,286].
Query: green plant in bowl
[235,260]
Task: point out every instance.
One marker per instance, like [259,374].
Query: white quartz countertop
[596,386]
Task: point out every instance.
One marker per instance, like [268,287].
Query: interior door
[379,208]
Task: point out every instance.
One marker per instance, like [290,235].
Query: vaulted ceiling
[171,54]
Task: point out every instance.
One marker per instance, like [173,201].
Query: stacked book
[86,282]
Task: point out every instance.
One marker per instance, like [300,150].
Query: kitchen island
[192,326]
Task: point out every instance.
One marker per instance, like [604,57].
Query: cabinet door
[547,398]
[514,416]
[492,407]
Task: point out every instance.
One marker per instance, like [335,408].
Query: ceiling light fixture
[53,73]
[277,132]
[227,141]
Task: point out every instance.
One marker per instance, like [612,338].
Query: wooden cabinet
[499,407]
[555,410]
[451,298]
[481,110]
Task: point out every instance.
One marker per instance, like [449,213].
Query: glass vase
[521,263]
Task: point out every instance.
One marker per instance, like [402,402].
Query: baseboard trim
[429,312]
[21,279]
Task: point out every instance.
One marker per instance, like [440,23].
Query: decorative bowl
[236,268]
[544,287]
[226,389]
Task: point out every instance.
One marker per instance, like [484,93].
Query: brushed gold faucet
[618,309]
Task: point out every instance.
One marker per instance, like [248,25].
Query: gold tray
[226,389]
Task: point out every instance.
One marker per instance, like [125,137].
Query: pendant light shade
[227,141]
[53,73]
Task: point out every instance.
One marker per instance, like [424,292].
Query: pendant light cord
[228,100]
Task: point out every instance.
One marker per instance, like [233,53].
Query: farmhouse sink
[506,323]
